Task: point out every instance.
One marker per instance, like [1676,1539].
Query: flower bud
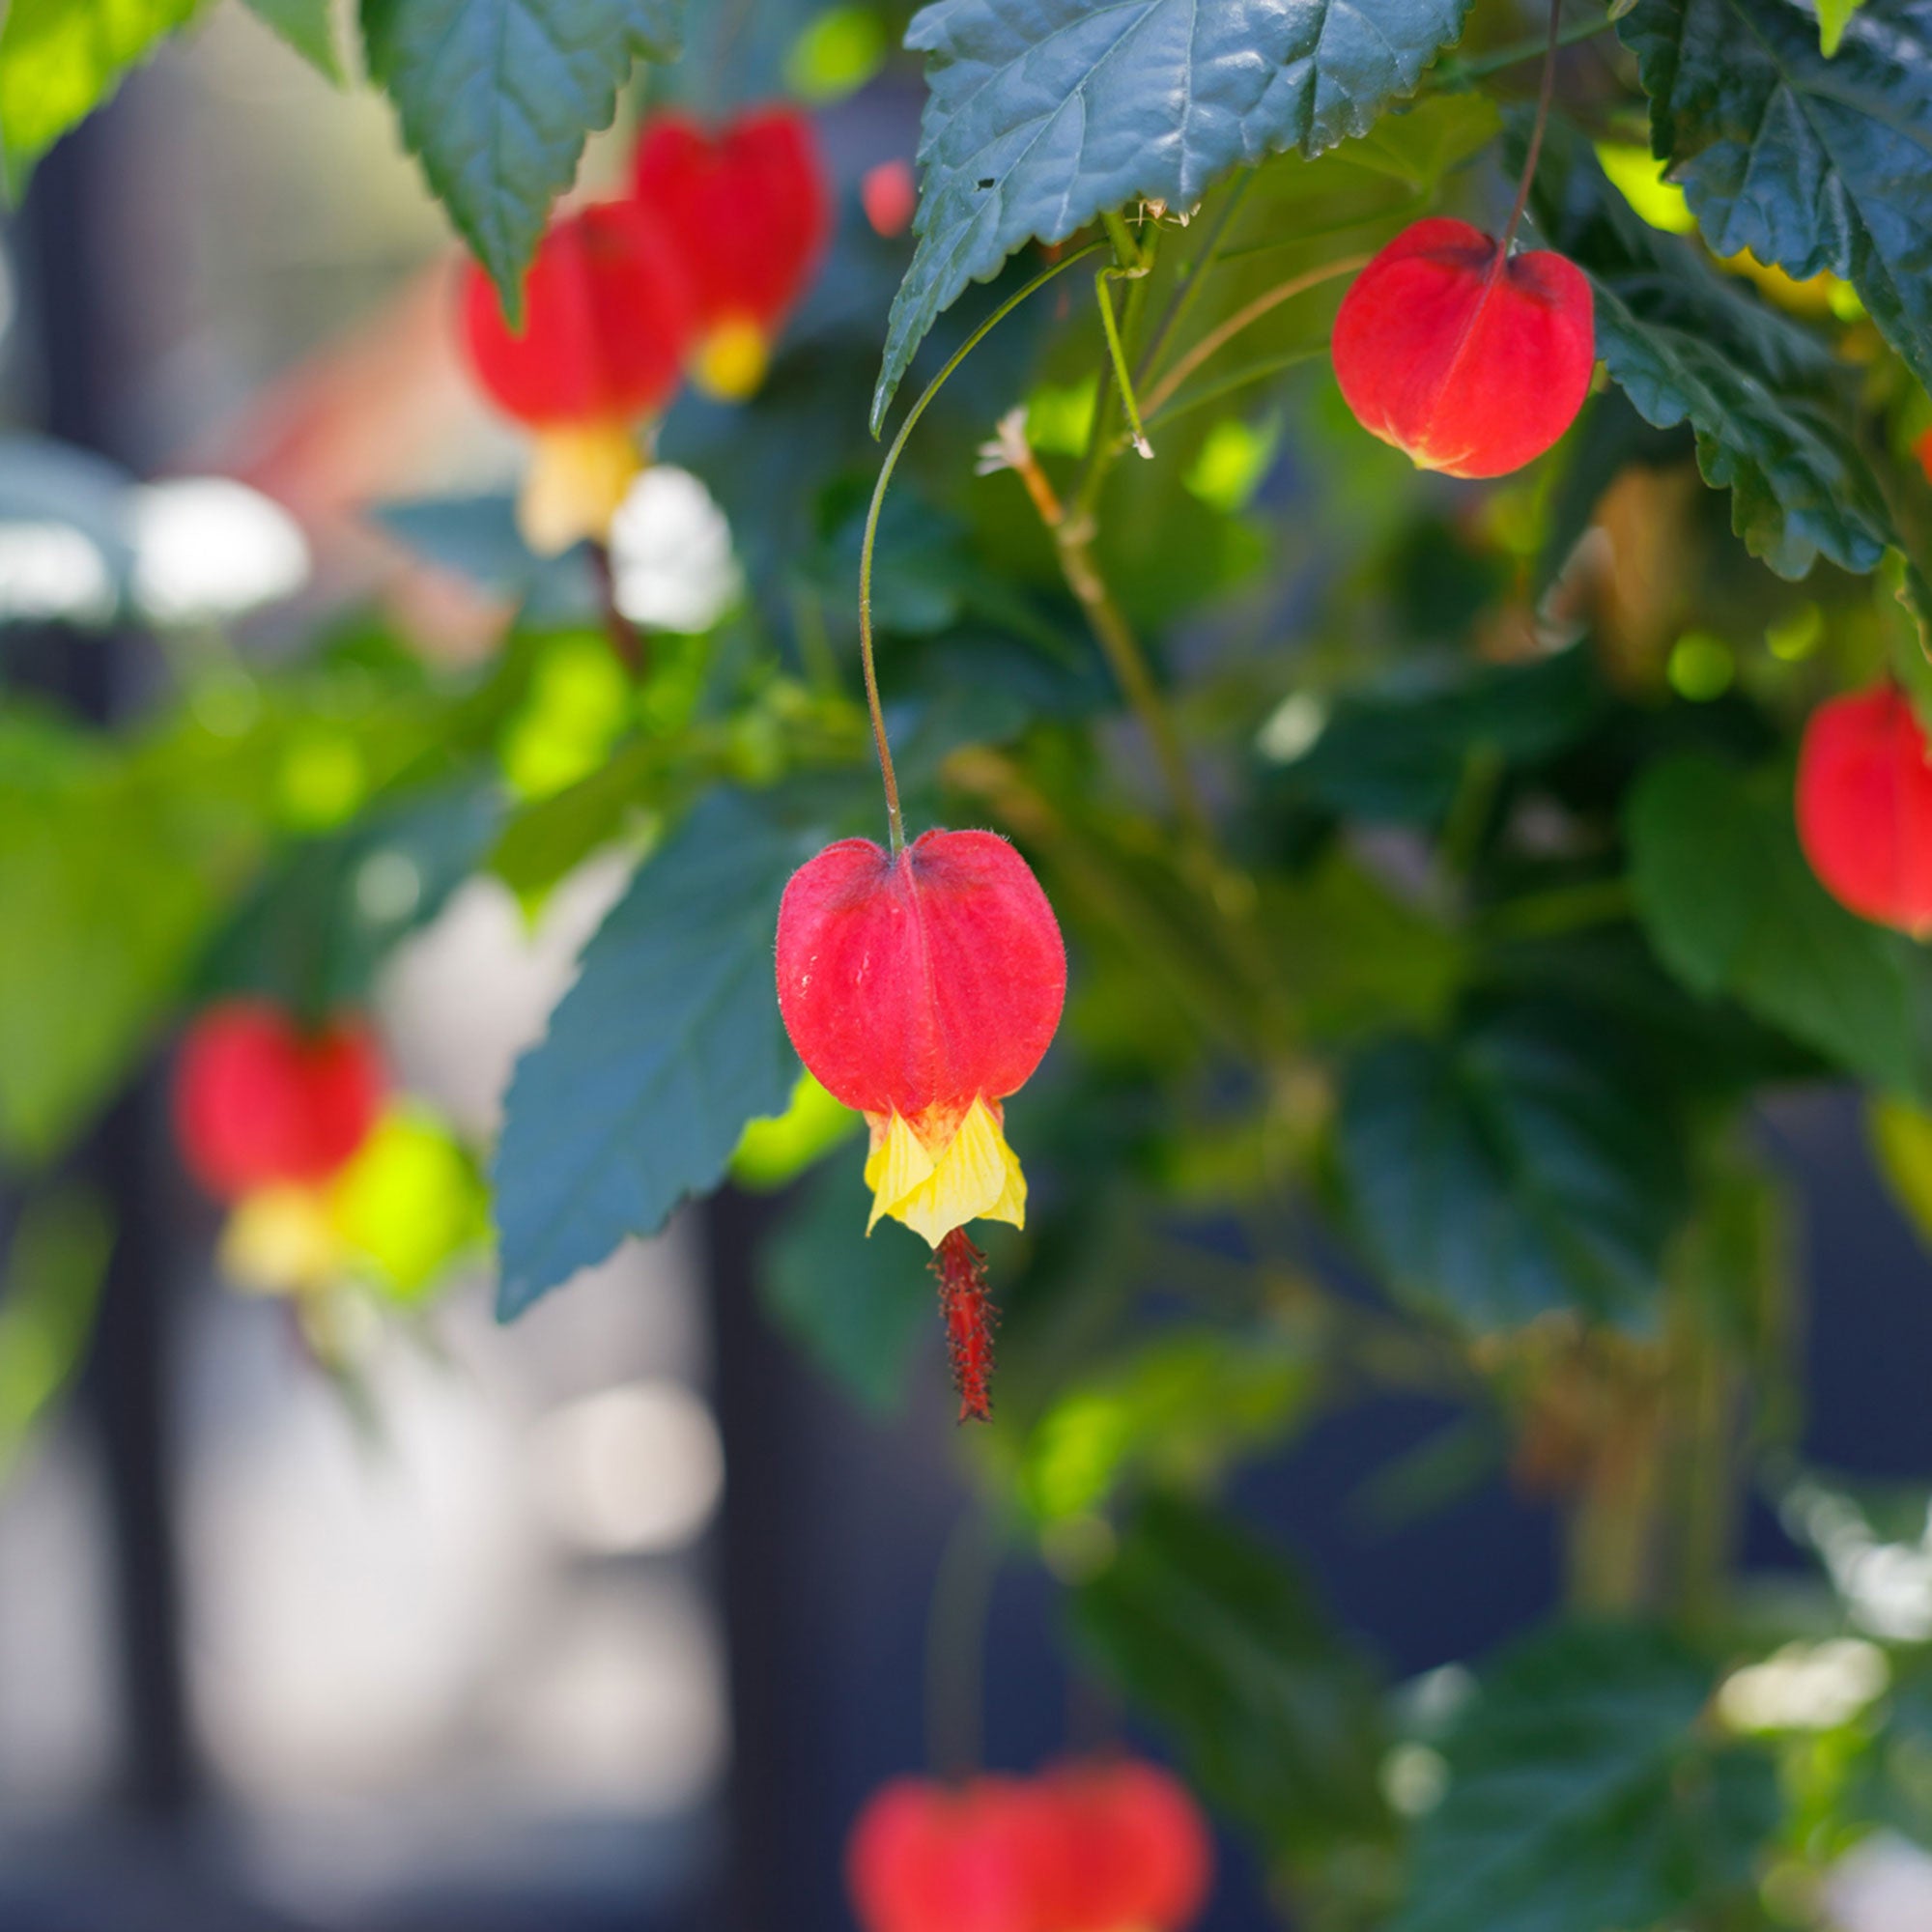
[1466,360]
[609,318]
[752,213]
[1865,808]
[259,1105]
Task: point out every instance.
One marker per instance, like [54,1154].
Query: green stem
[955,1642]
[1217,338]
[894,820]
[1255,372]
[1119,356]
[1455,74]
[1194,277]
[1544,95]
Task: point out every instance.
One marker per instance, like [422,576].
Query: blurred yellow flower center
[281,1240]
[935,1183]
[577,478]
[731,360]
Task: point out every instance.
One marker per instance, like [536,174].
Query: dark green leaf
[1583,1792]
[858,1306]
[496,97]
[306,26]
[1215,1638]
[1809,162]
[1515,1168]
[668,1043]
[1400,755]
[1731,907]
[1689,344]
[1041,118]
[477,538]
[60,59]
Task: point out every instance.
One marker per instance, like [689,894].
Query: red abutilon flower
[889,197]
[1126,1849]
[260,1104]
[926,1857]
[1922,450]
[923,988]
[752,213]
[1467,359]
[1865,807]
[608,319]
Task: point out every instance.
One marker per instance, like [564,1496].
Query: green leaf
[1809,162]
[668,1043]
[496,97]
[308,26]
[858,1306]
[55,1266]
[1177,1411]
[60,59]
[1515,1168]
[1584,1792]
[115,866]
[1400,754]
[1689,344]
[1834,17]
[1277,1719]
[1901,1139]
[1730,906]
[1040,118]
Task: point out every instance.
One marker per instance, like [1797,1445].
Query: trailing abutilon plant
[1865,807]
[751,212]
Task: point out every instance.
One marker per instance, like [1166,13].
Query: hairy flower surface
[259,1103]
[751,212]
[1465,359]
[1865,807]
[609,318]
[923,989]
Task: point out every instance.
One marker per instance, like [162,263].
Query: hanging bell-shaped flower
[1467,359]
[751,212]
[609,318]
[1865,807]
[923,988]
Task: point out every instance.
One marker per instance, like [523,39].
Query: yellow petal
[577,478]
[280,1240]
[730,361]
[975,1177]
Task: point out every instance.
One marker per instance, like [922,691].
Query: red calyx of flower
[257,1102]
[1129,1850]
[750,208]
[609,317]
[1865,807]
[925,981]
[888,196]
[1467,361]
[926,1857]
